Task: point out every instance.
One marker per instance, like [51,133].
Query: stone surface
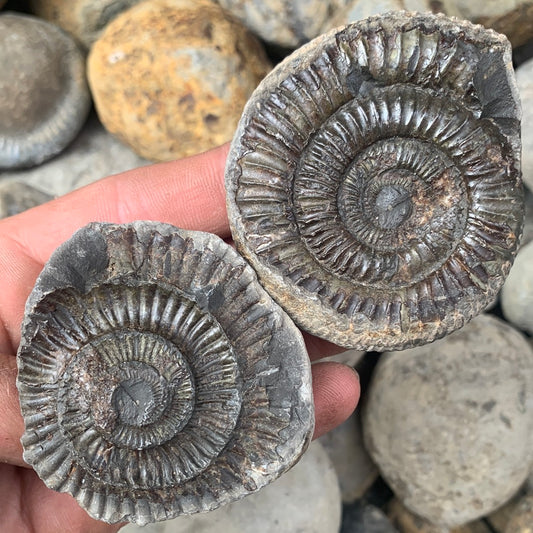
[83,19]
[45,99]
[304,500]
[328,176]
[355,10]
[521,520]
[524,80]
[156,377]
[94,154]
[286,23]
[16,197]
[407,522]
[450,425]
[362,517]
[527,233]
[516,296]
[499,518]
[170,77]
[513,18]
[355,469]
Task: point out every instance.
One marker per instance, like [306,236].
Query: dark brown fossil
[156,376]
[374,179]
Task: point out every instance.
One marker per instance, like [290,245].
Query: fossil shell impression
[374,181]
[156,376]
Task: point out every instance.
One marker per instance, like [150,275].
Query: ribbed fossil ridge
[156,377]
[374,179]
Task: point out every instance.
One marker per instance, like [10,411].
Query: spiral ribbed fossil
[156,376]
[374,179]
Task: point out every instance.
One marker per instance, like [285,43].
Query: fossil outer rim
[272,384]
[496,103]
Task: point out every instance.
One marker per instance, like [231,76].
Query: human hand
[188,194]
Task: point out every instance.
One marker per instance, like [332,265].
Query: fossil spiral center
[137,400]
[392,206]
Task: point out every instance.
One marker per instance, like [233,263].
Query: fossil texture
[374,179]
[156,376]
[45,99]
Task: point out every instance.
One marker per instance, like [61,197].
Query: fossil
[45,97]
[374,179]
[156,376]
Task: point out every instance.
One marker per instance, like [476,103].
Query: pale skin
[189,194]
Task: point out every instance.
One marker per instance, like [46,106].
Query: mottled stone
[517,292]
[407,522]
[286,23]
[170,77]
[84,19]
[362,517]
[524,80]
[521,521]
[527,233]
[355,469]
[499,518]
[450,425]
[45,99]
[306,499]
[513,18]
[16,196]
[94,154]
[354,10]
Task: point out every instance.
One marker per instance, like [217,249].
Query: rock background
[309,496]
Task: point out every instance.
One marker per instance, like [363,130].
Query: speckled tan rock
[521,521]
[354,10]
[513,18]
[83,19]
[450,424]
[170,77]
[286,23]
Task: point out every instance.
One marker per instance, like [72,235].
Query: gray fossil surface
[156,376]
[374,179]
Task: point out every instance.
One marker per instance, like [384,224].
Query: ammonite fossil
[156,376]
[374,180]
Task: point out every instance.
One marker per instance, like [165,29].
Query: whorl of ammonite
[374,180]
[156,376]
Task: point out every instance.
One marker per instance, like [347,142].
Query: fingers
[11,424]
[188,193]
[336,392]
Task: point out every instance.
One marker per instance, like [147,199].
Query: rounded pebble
[16,197]
[305,499]
[355,468]
[170,77]
[286,23]
[94,154]
[524,80]
[450,424]
[521,520]
[516,296]
[84,19]
[45,99]
[365,518]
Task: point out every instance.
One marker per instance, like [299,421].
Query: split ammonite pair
[373,185]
